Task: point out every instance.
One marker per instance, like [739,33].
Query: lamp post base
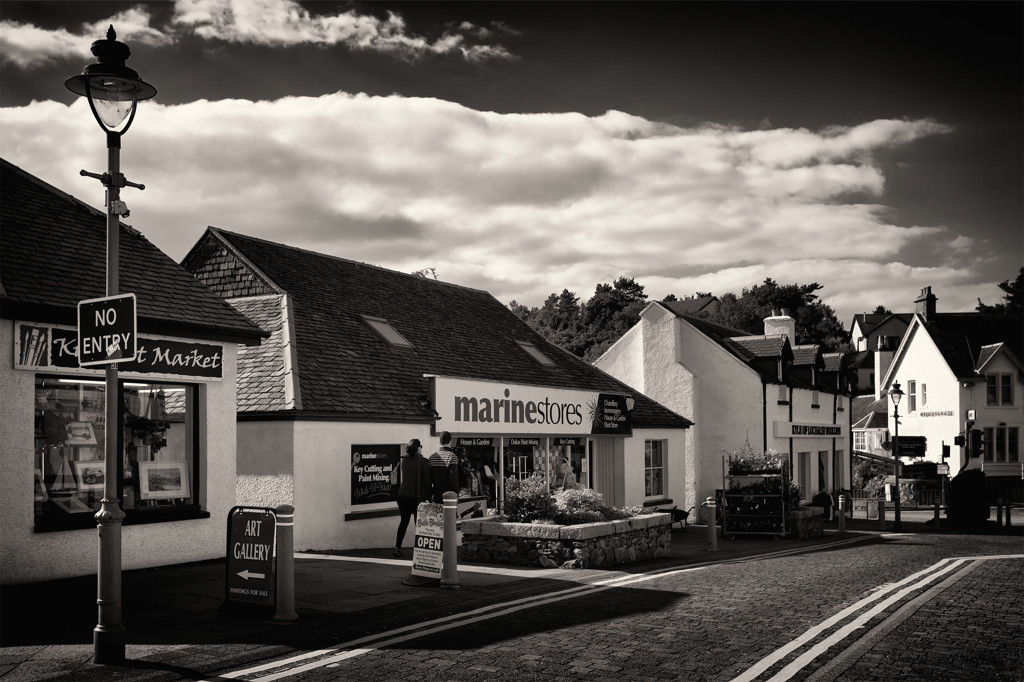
[108,644]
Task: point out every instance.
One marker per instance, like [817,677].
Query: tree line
[588,328]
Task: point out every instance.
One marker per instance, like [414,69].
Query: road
[893,607]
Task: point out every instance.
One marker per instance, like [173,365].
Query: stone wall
[808,522]
[590,545]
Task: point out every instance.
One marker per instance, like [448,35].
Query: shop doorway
[608,477]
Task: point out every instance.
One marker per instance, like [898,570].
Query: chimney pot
[785,311]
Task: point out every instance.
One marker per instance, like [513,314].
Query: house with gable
[362,359]
[739,388]
[176,472]
[963,371]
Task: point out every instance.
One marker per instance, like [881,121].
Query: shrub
[746,460]
[529,499]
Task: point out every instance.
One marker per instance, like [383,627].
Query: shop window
[837,470]
[157,473]
[1000,453]
[1013,444]
[387,333]
[803,473]
[654,468]
[989,453]
[535,354]
[912,397]
[822,470]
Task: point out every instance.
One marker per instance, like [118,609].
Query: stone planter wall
[808,522]
[590,545]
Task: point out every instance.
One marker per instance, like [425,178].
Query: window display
[156,467]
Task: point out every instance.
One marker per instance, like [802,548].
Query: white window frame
[648,449]
[988,436]
[860,441]
[911,396]
[1000,381]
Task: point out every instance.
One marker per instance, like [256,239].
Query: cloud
[272,23]
[518,204]
[284,22]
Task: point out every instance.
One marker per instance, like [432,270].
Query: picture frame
[90,475]
[39,486]
[81,433]
[163,480]
[72,505]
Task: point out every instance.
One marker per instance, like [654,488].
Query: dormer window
[535,354]
[383,329]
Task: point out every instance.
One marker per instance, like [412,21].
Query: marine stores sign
[469,406]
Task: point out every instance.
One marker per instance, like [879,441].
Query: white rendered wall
[675,465]
[26,556]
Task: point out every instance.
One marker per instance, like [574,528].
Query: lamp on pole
[113,91]
[895,393]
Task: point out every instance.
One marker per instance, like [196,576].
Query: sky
[527,148]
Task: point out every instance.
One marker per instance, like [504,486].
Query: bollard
[450,559]
[937,521]
[286,563]
[842,513]
[1008,508]
[881,513]
[712,529]
[999,512]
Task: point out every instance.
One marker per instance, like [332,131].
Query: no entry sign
[106,330]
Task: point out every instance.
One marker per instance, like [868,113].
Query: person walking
[413,487]
[444,469]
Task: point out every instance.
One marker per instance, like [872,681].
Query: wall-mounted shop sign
[52,347]
[474,442]
[912,446]
[532,442]
[575,442]
[937,413]
[371,473]
[795,430]
[471,405]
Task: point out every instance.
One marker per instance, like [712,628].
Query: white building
[961,371]
[739,388]
[177,473]
[362,359]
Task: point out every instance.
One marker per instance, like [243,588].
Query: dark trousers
[407,508]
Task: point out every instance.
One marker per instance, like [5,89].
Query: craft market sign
[41,347]
[471,405]
[796,430]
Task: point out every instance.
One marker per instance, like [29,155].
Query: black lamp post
[113,91]
[896,394]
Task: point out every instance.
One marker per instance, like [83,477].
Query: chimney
[781,323]
[925,304]
[883,358]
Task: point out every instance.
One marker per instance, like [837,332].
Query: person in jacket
[414,486]
[444,469]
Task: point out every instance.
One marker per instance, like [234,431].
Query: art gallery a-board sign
[249,576]
[375,473]
[39,346]
[428,546]
[107,330]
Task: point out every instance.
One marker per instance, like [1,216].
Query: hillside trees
[1013,298]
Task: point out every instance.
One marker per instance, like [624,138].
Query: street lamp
[113,91]
[895,393]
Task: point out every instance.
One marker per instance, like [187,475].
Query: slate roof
[345,370]
[690,306]
[960,338]
[834,362]
[860,358]
[868,413]
[869,321]
[808,354]
[757,347]
[53,255]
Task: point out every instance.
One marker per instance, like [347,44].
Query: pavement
[177,626]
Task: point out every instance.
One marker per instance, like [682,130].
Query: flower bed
[587,545]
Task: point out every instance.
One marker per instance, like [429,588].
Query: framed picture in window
[89,475]
[163,480]
[39,486]
[81,433]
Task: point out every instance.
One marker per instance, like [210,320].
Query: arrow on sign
[245,575]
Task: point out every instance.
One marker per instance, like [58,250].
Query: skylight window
[383,329]
[535,354]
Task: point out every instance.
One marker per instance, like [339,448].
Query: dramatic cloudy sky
[526,148]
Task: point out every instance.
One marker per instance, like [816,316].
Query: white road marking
[354,648]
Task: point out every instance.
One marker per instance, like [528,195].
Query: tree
[1013,298]
[881,310]
[816,322]
[669,298]
[609,314]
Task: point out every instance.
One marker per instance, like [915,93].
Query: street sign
[942,470]
[107,330]
[250,569]
[912,446]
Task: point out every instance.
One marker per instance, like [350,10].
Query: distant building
[867,327]
[962,371]
[740,388]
